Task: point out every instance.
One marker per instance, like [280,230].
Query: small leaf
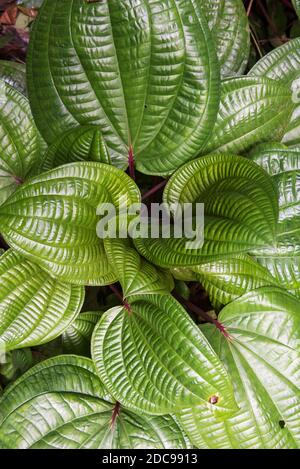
[135,274]
[296,4]
[61,404]
[14,74]
[252,110]
[52,219]
[34,308]
[228,22]
[262,358]
[22,147]
[152,358]
[77,338]
[79,144]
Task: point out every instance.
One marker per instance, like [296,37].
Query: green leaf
[14,74]
[230,278]
[52,219]
[77,338]
[228,22]
[135,274]
[241,211]
[252,110]
[282,64]
[61,404]
[79,144]
[34,308]
[153,358]
[296,4]
[16,363]
[262,358]
[146,73]
[283,259]
[21,145]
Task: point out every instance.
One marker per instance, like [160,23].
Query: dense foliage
[147,342]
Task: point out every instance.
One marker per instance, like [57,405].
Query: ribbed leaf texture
[52,219]
[61,404]
[262,356]
[77,338]
[283,258]
[22,147]
[34,308]
[152,357]
[135,274]
[241,211]
[147,74]
[228,22]
[252,110]
[83,143]
[282,64]
[296,4]
[14,74]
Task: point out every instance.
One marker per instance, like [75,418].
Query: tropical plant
[149,342]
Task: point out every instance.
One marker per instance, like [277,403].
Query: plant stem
[154,190]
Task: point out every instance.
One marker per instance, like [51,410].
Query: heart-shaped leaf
[228,22]
[14,74]
[34,308]
[262,357]
[52,219]
[150,81]
[283,258]
[282,64]
[241,211]
[252,110]
[61,404]
[135,274]
[152,358]
[77,338]
[22,147]
[79,144]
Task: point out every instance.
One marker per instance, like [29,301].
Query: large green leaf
[252,110]
[79,144]
[241,211]
[34,308]
[282,64]
[61,404]
[262,357]
[228,22]
[14,73]
[283,259]
[77,338]
[231,277]
[145,72]
[52,219]
[21,145]
[135,274]
[152,358]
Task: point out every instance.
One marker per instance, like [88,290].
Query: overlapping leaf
[152,358]
[241,211]
[150,81]
[52,219]
[228,22]
[61,404]
[14,74]
[263,359]
[283,258]
[283,64]
[252,110]
[34,308]
[77,338]
[79,144]
[135,274]
[296,4]
[22,147]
